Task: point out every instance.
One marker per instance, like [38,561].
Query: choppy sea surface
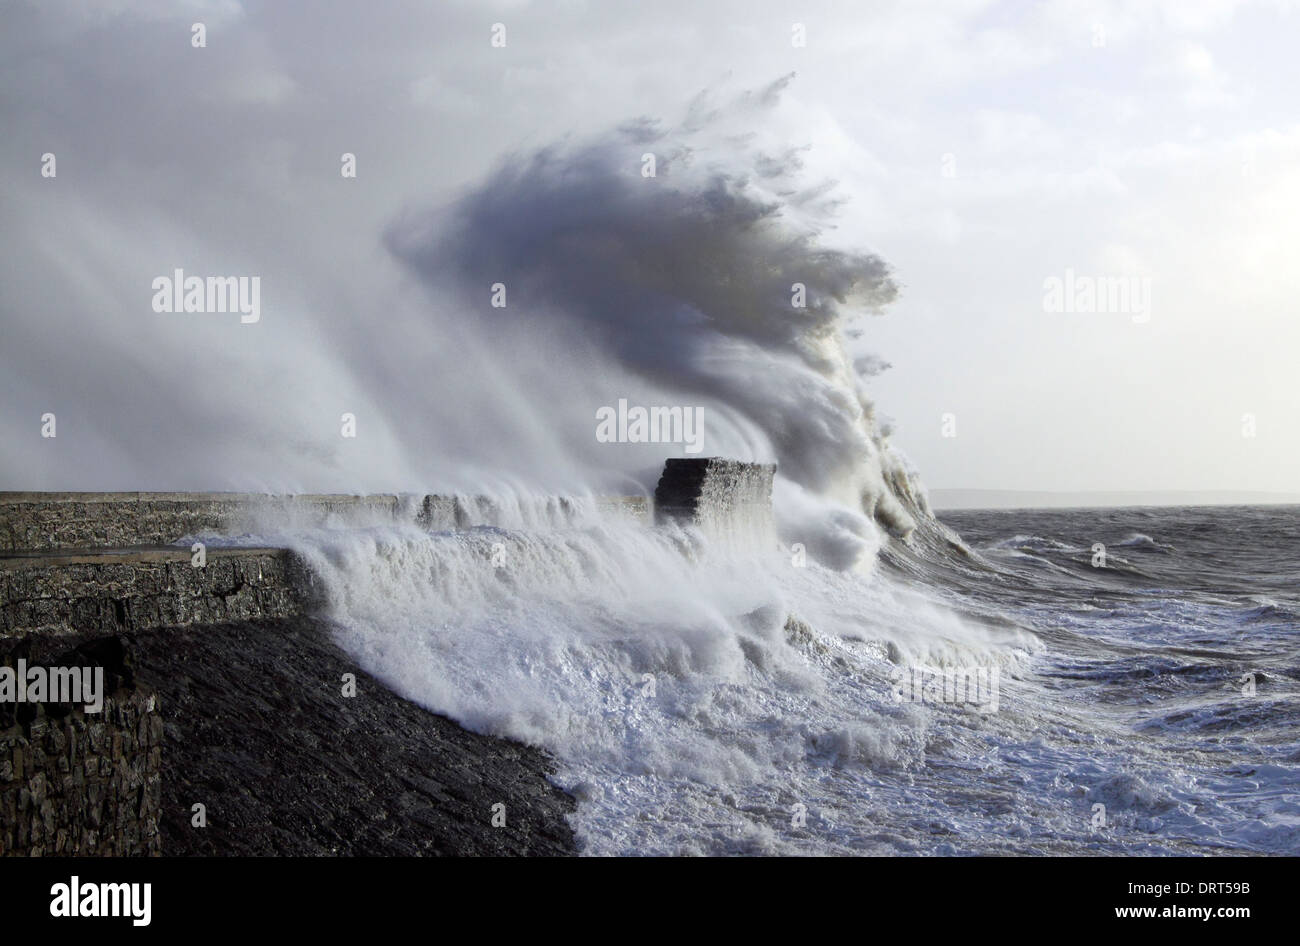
[1055,682]
[1172,648]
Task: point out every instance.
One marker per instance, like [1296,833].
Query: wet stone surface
[257,729]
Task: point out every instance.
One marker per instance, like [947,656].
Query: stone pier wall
[726,497]
[31,521]
[48,521]
[108,591]
[102,567]
[78,783]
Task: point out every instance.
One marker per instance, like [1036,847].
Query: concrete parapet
[715,493]
[107,591]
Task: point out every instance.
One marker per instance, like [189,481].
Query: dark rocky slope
[257,730]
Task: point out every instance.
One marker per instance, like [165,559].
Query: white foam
[654,664]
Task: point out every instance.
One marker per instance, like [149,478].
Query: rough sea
[1009,692]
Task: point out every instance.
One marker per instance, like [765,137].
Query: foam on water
[662,668]
[1192,664]
[707,697]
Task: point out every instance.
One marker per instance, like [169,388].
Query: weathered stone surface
[109,591]
[119,520]
[45,521]
[58,794]
[258,730]
[249,719]
[718,494]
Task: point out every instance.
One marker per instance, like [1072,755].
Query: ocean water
[995,694]
[1179,659]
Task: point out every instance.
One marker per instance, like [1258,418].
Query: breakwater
[223,690]
[33,521]
[729,499]
[110,591]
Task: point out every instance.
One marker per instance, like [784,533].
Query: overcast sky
[984,148]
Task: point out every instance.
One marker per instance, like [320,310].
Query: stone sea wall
[251,684]
[51,521]
[32,521]
[78,783]
[111,591]
[726,497]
